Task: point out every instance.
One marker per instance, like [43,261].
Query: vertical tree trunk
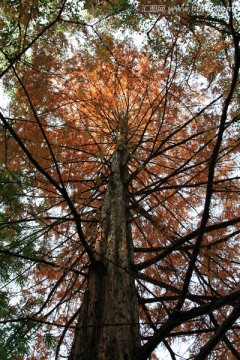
[110,302]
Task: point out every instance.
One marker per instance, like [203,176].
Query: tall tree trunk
[110,303]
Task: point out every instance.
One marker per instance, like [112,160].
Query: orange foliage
[70,114]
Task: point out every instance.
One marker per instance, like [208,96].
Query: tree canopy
[120,109]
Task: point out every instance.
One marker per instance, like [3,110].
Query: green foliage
[13,343]
[10,188]
[20,22]
[3,304]
[13,340]
[50,340]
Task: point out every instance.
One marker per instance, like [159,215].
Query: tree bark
[108,322]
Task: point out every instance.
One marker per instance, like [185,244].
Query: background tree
[119,219]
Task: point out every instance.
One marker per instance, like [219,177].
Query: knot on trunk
[99,267]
